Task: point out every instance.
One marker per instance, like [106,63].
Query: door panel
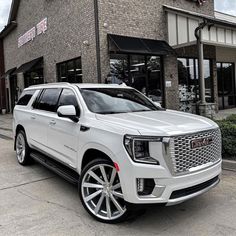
[63,133]
[63,139]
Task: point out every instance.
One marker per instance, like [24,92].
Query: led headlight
[138,148]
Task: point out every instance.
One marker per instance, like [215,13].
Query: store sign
[40,28]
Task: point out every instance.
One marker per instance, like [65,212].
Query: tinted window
[49,100]
[111,101]
[68,98]
[25,97]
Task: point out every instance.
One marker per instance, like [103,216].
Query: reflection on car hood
[159,123]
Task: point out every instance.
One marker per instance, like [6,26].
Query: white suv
[118,146]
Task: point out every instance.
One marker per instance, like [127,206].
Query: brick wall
[70,22]
[145,19]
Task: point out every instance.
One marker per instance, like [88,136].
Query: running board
[64,171]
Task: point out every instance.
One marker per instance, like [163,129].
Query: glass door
[226,85]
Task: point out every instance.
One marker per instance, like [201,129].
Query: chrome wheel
[101,192]
[20,148]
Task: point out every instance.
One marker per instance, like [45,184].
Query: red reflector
[117,167]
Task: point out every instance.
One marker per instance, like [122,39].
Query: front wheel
[101,193]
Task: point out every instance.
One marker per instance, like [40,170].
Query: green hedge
[228,130]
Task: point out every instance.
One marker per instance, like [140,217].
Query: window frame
[58,69]
[40,96]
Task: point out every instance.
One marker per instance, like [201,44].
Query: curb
[229,165]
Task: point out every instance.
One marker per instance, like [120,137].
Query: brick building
[148,44]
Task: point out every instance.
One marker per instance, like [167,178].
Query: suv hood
[159,123]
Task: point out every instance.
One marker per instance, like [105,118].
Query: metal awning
[9,72]
[124,44]
[29,65]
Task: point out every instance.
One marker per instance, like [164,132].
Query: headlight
[138,148]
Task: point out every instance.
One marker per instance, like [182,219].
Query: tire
[101,194]
[22,149]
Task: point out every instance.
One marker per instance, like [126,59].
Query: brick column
[171,82]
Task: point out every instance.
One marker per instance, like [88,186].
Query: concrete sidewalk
[6,126]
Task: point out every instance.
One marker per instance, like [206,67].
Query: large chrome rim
[20,148]
[102,193]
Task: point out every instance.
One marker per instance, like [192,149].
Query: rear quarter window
[25,97]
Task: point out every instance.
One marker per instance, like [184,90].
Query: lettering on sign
[40,28]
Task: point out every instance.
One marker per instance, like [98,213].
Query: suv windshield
[116,100]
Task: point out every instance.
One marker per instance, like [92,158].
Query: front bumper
[165,183]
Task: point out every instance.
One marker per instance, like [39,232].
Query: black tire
[102,215]
[22,149]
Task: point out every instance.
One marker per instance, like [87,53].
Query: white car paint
[64,141]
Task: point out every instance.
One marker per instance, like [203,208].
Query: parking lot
[34,201]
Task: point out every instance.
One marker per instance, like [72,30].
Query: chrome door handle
[32,117]
[52,122]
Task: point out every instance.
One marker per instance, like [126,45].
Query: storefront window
[141,72]
[226,85]
[70,71]
[34,75]
[189,83]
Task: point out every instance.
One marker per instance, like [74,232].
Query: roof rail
[45,85]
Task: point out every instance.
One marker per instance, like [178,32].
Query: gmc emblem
[201,142]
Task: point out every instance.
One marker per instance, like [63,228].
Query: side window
[49,99]
[68,98]
[25,97]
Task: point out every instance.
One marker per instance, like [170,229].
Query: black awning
[29,65]
[124,44]
[9,72]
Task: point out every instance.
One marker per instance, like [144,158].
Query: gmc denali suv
[117,145]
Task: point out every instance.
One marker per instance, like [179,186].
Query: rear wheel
[22,149]
[101,193]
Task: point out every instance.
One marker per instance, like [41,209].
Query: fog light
[145,186]
[140,185]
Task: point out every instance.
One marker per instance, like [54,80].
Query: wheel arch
[92,154]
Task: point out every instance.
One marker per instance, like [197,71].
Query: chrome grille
[184,159]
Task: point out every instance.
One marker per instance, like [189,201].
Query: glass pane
[187,84]
[118,69]
[154,78]
[220,86]
[78,71]
[208,81]
[228,85]
[62,72]
[138,73]
[71,72]
[49,100]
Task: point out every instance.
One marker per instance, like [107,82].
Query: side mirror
[68,112]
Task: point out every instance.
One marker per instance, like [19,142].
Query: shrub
[228,130]
[232,118]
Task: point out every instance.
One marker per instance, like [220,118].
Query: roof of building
[210,19]
[11,20]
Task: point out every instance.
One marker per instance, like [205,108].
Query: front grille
[185,159]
